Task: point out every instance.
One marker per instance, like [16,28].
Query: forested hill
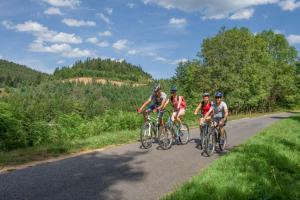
[104,68]
[13,75]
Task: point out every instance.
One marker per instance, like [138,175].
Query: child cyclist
[179,105]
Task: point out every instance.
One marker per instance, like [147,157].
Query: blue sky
[155,34]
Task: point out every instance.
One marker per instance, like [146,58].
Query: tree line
[256,72]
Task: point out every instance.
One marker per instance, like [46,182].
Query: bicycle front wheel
[165,139]
[224,140]
[146,135]
[184,134]
[209,146]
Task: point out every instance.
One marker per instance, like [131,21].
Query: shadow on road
[91,176]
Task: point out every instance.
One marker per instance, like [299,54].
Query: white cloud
[95,41]
[42,33]
[120,44]
[177,22]
[63,3]
[30,26]
[103,44]
[294,39]
[242,14]
[60,62]
[53,11]
[131,5]
[1,56]
[133,52]
[8,24]
[78,23]
[105,33]
[104,18]
[289,4]
[92,40]
[182,60]
[210,9]
[278,31]
[63,49]
[109,11]
[160,58]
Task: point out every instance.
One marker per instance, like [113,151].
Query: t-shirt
[205,107]
[219,110]
[156,99]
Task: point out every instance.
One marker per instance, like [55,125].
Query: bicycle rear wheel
[184,134]
[223,146]
[210,142]
[165,139]
[146,135]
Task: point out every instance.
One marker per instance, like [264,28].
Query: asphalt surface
[124,172]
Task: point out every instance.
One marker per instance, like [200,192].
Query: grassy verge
[44,152]
[265,167]
[38,153]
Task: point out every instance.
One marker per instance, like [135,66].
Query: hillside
[104,68]
[13,75]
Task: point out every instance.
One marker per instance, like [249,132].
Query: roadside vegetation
[265,167]
[257,73]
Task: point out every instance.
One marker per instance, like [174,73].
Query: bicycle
[150,131]
[212,138]
[174,132]
[203,133]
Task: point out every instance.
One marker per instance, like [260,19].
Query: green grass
[267,166]
[25,155]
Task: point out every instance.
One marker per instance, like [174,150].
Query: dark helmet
[173,88]
[219,94]
[205,94]
[156,88]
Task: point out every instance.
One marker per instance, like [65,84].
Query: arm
[179,102]
[162,104]
[144,105]
[208,113]
[198,108]
[225,112]
[166,104]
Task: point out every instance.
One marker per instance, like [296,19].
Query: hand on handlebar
[139,110]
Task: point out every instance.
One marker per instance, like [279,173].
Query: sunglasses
[218,97]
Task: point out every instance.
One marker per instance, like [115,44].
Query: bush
[11,134]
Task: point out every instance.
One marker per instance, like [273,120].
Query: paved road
[124,172]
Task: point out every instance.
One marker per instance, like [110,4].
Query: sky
[154,34]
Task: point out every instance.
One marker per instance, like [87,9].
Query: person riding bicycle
[204,106]
[179,105]
[157,100]
[220,113]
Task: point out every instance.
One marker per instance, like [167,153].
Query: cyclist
[220,113]
[179,105]
[157,100]
[204,105]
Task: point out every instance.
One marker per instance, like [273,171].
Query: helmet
[205,94]
[173,88]
[219,94]
[156,88]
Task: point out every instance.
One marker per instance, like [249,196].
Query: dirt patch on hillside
[88,80]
